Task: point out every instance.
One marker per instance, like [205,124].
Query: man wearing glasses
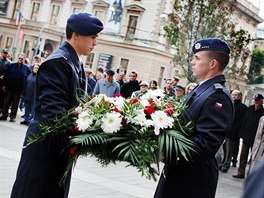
[13,84]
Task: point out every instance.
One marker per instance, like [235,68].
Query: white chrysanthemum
[142,121]
[84,121]
[117,101]
[161,121]
[153,94]
[143,102]
[111,122]
[97,99]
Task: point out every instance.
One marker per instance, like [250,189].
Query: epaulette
[218,87]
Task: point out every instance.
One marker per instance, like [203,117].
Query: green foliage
[191,20]
[256,65]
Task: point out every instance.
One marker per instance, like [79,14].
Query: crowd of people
[62,77]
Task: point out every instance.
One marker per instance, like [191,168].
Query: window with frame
[54,14]
[17,7]
[161,74]
[27,48]
[123,65]
[76,10]
[9,42]
[100,14]
[35,11]
[132,25]
[89,60]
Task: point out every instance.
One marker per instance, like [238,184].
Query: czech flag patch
[218,105]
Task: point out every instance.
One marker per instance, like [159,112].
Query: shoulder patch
[218,87]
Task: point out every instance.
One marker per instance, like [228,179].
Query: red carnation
[134,101]
[148,110]
[73,151]
[152,103]
[75,130]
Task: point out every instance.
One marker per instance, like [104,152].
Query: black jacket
[250,124]
[210,107]
[128,88]
[240,111]
[59,80]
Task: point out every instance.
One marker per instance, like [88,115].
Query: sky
[259,4]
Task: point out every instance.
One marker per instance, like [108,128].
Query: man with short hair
[13,84]
[209,107]
[130,86]
[231,144]
[248,132]
[60,83]
[107,85]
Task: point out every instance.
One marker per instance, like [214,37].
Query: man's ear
[213,64]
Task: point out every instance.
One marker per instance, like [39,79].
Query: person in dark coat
[28,95]
[210,108]
[231,145]
[59,80]
[13,83]
[131,86]
[253,187]
[4,63]
[248,132]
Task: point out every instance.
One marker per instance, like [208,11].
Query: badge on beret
[197,46]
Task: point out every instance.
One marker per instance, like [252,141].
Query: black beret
[84,24]
[110,72]
[210,44]
[179,87]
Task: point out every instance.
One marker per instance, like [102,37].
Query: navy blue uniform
[210,107]
[59,80]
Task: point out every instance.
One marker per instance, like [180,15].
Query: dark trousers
[235,152]
[230,146]
[28,110]
[243,159]
[11,98]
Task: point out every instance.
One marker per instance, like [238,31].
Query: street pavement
[90,179]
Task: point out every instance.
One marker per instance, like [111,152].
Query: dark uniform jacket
[240,111]
[250,124]
[59,80]
[210,107]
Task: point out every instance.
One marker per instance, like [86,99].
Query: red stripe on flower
[152,103]
[134,101]
[116,110]
[117,95]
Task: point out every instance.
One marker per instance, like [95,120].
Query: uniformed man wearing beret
[60,81]
[210,108]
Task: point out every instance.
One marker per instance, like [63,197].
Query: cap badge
[197,46]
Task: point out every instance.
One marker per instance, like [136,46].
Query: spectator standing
[175,80]
[210,108]
[13,84]
[168,89]
[37,59]
[107,85]
[130,86]
[248,131]
[59,81]
[121,79]
[258,146]
[153,85]
[179,93]
[91,82]
[190,87]
[28,95]
[4,63]
[144,86]
[231,145]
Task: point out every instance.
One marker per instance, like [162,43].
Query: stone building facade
[132,39]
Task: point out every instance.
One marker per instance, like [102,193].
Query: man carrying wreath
[210,108]
[60,81]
